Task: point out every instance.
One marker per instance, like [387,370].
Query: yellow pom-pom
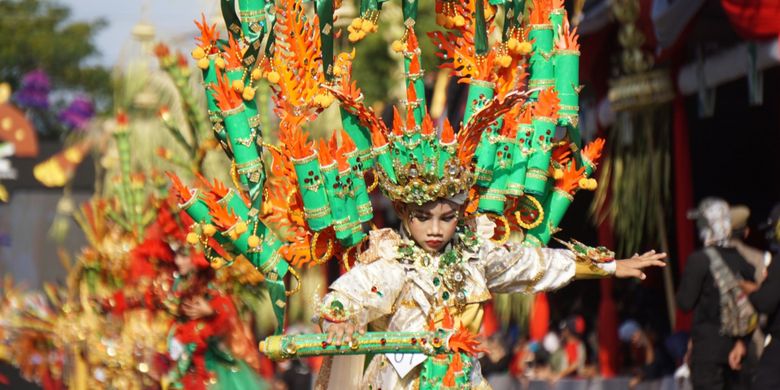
[397,46]
[256,74]
[323,100]
[248,94]
[198,53]
[513,44]
[524,48]
[356,24]
[192,238]
[217,263]
[220,62]
[583,183]
[593,184]
[448,22]
[203,63]
[209,229]
[273,77]
[504,61]
[557,174]
[459,20]
[240,228]
[368,26]
[353,37]
[238,85]
[330,101]
[254,241]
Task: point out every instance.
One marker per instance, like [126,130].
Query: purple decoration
[78,113]
[34,91]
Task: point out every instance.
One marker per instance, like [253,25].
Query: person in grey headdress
[767,301]
[715,362]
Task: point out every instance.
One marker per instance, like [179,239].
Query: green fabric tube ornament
[338,204]
[401,156]
[516,181]
[359,135]
[250,105]
[416,153]
[264,257]
[435,368]
[215,115]
[486,155]
[268,261]
[383,157]
[542,73]
[362,200]
[253,23]
[357,234]
[567,65]
[249,165]
[555,207]
[493,199]
[209,79]
[429,146]
[235,204]
[312,184]
[345,229]
[446,153]
[539,161]
[556,19]
[253,118]
[197,209]
[480,92]
[280,347]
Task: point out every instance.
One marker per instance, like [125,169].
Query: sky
[170,17]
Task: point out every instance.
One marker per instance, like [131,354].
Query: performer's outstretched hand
[342,332]
[632,268]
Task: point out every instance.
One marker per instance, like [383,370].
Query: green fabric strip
[233,24]
[325,16]
[409,9]
[481,46]
[312,185]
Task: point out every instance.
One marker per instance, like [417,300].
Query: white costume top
[388,292]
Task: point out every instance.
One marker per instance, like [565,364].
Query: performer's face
[183,263]
[431,225]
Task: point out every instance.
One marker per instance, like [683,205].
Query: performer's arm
[515,268]
[767,298]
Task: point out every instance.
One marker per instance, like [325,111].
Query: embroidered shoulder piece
[382,243]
